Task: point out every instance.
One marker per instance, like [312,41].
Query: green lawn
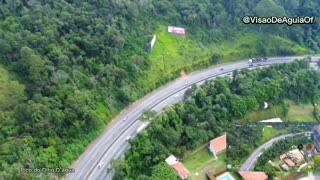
[201,161]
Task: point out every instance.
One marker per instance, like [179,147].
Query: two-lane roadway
[112,143]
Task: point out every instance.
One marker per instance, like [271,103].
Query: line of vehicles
[257,60]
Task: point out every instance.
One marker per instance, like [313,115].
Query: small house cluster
[291,158]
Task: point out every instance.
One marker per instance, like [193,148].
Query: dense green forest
[68,67]
[208,111]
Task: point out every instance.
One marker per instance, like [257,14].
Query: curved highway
[112,143]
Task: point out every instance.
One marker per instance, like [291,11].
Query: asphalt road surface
[251,161]
[112,143]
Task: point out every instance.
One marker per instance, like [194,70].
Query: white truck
[143,126]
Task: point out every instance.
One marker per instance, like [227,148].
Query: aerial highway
[113,142]
[251,161]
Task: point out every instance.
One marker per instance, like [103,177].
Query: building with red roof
[283,156]
[178,166]
[181,170]
[253,175]
[218,145]
[289,162]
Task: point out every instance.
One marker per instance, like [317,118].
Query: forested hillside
[70,66]
[210,110]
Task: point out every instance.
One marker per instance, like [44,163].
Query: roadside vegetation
[74,65]
[270,132]
[212,108]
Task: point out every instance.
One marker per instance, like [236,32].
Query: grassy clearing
[300,112]
[202,161]
[296,113]
[269,133]
[263,114]
[299,109]
[172,53]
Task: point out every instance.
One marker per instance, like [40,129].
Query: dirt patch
[183,73]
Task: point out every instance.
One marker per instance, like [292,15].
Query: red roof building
[283,156]
[178,166]
[182,171]
[289,162]
[218,144]
[254,175]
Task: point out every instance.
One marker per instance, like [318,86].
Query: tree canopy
[74,65]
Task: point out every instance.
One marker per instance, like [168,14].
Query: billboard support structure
[151,44]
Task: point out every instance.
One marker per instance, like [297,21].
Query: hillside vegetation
[71,66]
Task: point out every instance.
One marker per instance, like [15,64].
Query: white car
[125,118]
[100,165]
[186,83]
[129,137]
[176,96]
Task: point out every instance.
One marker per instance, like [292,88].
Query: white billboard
[176,30]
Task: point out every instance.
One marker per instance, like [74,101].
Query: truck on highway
[143,126]
[255,60]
